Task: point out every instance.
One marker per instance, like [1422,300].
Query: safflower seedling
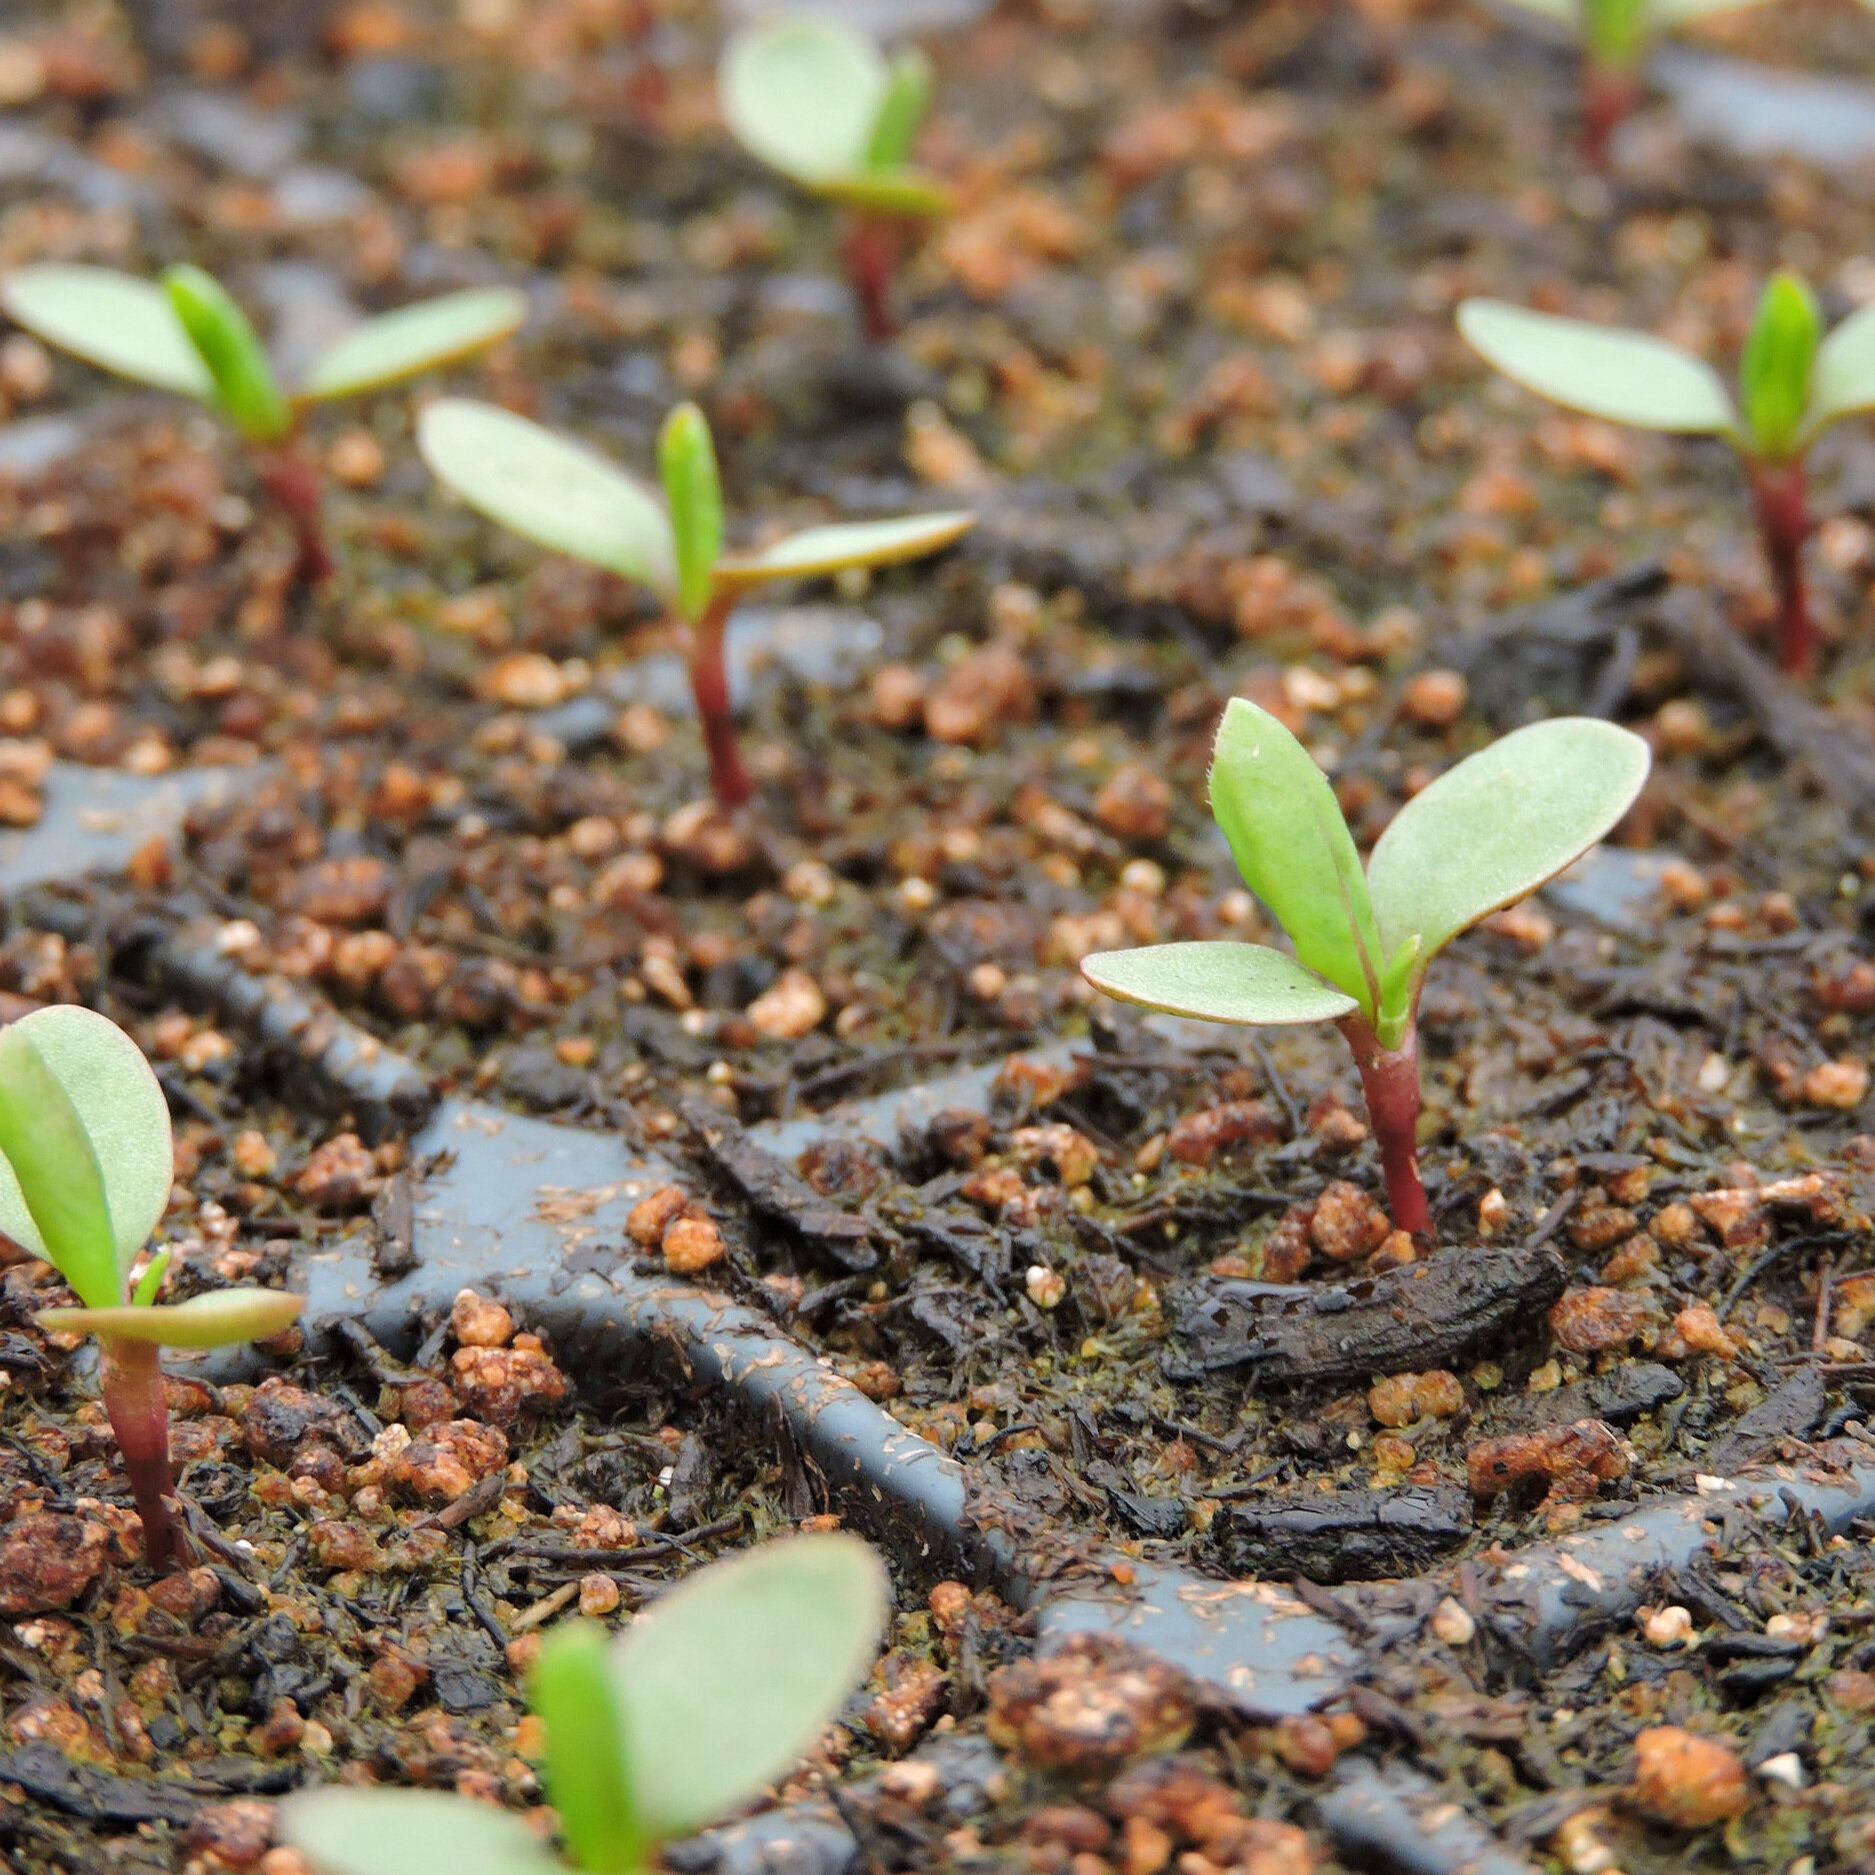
[1485,834]
[1615,36]
[709,1696]
[85,1170]
[184,333]
[559,493]
[824,106]
[1793,384]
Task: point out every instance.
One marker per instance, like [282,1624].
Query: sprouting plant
[825,107]
[85,1170]
[710,1694]
[562,495]
[1482,836]
[186,334]
[1615,36]
[1793,383]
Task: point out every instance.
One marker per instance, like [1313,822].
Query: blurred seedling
[185,333]
[824,106]
[708,1697]
[85,1170]
[562,495]
[1615,36]
[1482,836]
[1793,384]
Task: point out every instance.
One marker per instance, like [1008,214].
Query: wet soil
[1187,349]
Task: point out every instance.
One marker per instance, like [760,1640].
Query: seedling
[85,1169]
[1481,837]
[1792,385]
[708,1697]
[187,335]
[562,495]
[1615,36]
[823,105]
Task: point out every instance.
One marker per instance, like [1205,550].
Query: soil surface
[1187,349]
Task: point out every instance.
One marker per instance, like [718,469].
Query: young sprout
[186,334]
[1615,36]
[1792,385]
[562,495]
[709,1696]
[1481,837]
[813,99]
[85,1169]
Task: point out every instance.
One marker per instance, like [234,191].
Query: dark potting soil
[1187,349]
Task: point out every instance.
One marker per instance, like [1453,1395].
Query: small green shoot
[707,1698]
[186,334]
[1794,383]
[564,496]
[1615,36]
[85,1171]
[1485,834]
[824,106]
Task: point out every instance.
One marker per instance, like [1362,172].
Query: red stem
[1390,1081]
[871,250]
[647,91]
[295,484]
[709,683]
[132,1376]
[1777,492]
[1608,96]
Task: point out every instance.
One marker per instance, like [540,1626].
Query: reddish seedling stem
[872,247]
[709,683]
[1390,1081]
[1608,98]
[647,92]
[1777,492]
[293,480]
[132,1376]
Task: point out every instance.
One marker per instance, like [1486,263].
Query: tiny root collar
[1609,95]
[131,1373]
[1390,1082]
[709,683]
[1779,496]
[294,483]
[872,250]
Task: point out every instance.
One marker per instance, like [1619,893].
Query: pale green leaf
[550,489]
[1498,825]
[913,193]
[1774,374]
[151,1280]
[574,1689]
[1842,382]
[216,1320]
[820,550]
[1217,983]
[1293,848]
[109,319]
[901,110]
[727,1681]
[245,385]
[61,1184]
[410,1832]
[1628,377]
[1615,32]
[99,1075]
[804,95]
[693,494]
[415,338]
